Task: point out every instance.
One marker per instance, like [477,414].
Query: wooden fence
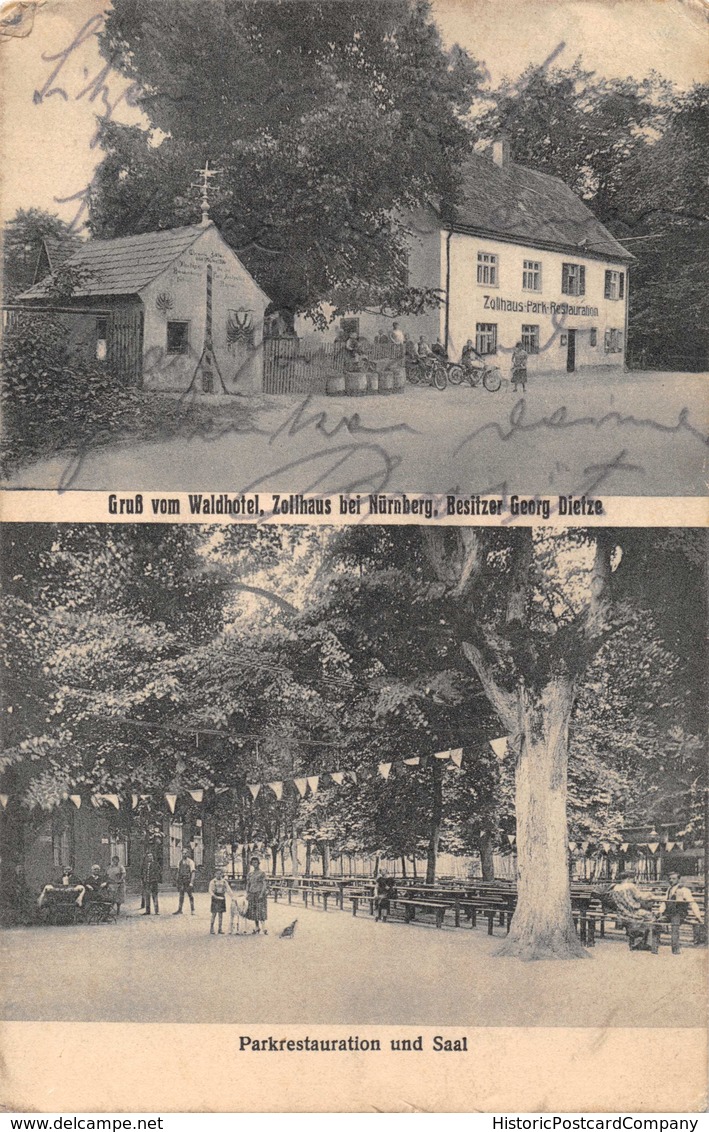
[303,365]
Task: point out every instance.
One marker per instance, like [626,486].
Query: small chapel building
[173,310]
[520,258]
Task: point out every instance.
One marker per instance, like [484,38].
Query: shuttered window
[573,279]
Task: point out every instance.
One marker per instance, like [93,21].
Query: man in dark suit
[150,877]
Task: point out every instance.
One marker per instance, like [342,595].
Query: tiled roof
[126,265]
[532,208]
[57,252]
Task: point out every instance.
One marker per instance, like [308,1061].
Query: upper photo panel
[338,245]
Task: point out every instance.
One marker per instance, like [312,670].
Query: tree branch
[504,703]
[455,567]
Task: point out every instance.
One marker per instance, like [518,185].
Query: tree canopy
[295,102]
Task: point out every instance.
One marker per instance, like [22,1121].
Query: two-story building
[520,259]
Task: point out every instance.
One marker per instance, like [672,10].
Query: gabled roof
[126,265]
[521,205]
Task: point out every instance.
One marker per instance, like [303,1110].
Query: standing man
[150,877]
[186,871]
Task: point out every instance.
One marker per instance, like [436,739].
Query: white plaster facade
[179,295]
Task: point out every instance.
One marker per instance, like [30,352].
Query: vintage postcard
[353,567]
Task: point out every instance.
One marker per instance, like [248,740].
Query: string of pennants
[303,784]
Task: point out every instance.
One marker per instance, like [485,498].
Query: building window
[61,845]
[487,269]
[175,842]
[615,285]
[119,846]
[530,339]
[614,341]
[178,337]
[486,337]
[532,275]
[594,336]
[573,279]
[198,848]
[101,339]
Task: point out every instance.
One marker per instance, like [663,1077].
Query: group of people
[109,885]
[638,912]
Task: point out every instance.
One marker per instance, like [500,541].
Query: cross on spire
[203,185]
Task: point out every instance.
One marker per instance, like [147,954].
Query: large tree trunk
[542,925]
[295,867]
[308,857]
[325,853]
[487,860]
[436,819]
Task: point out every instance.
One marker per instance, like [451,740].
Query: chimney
[501,152]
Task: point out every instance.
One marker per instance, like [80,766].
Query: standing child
[218,890]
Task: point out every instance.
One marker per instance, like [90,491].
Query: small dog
[237,913]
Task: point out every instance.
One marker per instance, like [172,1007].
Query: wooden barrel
[355,384]
[336,385]
[386,382]
[399,379]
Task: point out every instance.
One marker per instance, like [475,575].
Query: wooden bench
[410,905]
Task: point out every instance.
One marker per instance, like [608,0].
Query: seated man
[634,910]
[439,349]
[680,901]
[96,885]
[470,357]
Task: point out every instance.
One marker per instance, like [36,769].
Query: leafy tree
[22,242]
[295,102]
[533,613]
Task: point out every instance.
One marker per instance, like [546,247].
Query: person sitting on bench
[96,885]
[679,901]
[634,910]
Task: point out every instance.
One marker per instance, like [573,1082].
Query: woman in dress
[256,890]
[117,883]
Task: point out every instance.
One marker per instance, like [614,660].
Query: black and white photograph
[354,776]
[328,244]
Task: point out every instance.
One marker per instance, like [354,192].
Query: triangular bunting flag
[313,781]
[76,799]
[572,846]
[4,800]
[584,845]
[171,800]
[653,846]
[277,788]
[511,838]
[301,785]
[413,762]
[499,746]
[442,755]
[337,777]
[113,799]
[384,769]
[254,787]
[606,846]
[134,801]
[457,756]
[670,846]
[196,795]
[625,846]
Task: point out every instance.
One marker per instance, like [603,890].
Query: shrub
[52,399]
